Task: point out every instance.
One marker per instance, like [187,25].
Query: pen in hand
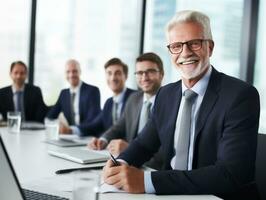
[115,162]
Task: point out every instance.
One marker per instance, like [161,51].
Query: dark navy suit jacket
[89,104]
[104,119]
[225,140]
[35,108]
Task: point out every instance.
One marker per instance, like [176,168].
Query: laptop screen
[9,186]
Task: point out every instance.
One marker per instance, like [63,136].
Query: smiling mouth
[188,62]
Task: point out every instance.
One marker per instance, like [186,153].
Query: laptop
[80,155]
[9,184]
[32,126]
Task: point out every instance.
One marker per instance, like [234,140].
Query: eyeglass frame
[147,72]
[182,43]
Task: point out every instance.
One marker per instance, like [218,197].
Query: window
[260,73]
[92,33]
[14,35]
[226,30]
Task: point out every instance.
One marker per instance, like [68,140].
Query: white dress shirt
[200,88]
[76,90]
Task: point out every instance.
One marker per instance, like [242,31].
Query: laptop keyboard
[32,195]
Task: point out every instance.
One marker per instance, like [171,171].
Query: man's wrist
[103,139]
[75,130]
[148,185]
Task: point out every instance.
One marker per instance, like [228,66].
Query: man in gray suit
[149,74]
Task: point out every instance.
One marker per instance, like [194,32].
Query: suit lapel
[108,116]
[208,101]
[124,99]
[136,115]
[66,104]
[10,102]
[26,99]
[81,109]
[172,115]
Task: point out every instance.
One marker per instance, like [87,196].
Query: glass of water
[51,129]
[13,121]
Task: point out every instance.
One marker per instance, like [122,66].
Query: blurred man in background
[79,103]
[116,73]
[21,96]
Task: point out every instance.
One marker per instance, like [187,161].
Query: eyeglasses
[193,45]
[148,72]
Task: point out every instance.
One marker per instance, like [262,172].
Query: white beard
[191,74]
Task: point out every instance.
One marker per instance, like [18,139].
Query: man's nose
[186,51]
[112,77]
[145,76]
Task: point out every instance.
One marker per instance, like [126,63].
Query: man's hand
[115,147]
[64,129]
[96,144]
[128,178]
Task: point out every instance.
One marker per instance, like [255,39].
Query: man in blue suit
[206,124]
[22,97]
[116,73]
[149,75]
[80,103]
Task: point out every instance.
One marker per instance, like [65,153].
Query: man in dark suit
[116,73]
[149,75]
[22,97]
[213,150]
[80,103]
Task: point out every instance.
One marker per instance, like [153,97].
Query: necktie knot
[190,95]
[73,94]
[19,93]
[147,104]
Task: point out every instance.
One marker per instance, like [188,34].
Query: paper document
[106,188]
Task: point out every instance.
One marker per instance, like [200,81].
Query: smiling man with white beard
[206,125]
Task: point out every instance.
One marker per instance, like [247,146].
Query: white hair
[74,62]
[191,16]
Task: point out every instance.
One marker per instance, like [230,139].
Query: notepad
[80,155]
[69,141]
[66,143]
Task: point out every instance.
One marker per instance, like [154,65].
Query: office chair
[260,175]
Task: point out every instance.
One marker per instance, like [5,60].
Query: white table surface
[35,168]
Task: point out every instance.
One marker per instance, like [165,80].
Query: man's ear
[211,47]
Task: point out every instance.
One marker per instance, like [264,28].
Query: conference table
[35,168]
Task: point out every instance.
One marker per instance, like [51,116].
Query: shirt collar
[201,86]
[14,90]
[119,98]
[75,89]
[151,99]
